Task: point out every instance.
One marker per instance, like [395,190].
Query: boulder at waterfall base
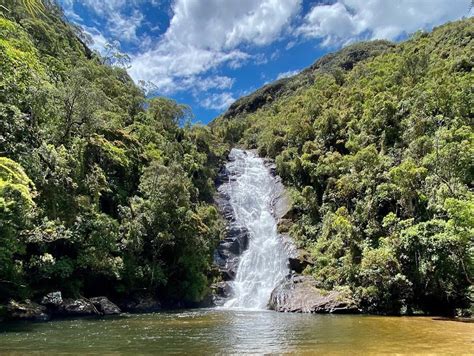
[298,294]
[220,292]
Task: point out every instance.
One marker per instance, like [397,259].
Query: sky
[208,53]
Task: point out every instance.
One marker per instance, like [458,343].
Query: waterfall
[264,264]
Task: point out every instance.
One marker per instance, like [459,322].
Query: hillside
[333,63]
[102,192]
[376,144]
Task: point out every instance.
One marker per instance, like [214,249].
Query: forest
[376,144]
[105,191]
[102,191]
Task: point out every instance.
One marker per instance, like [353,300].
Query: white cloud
[172,66]
[217,24]
[219,101]
[205,34]
[212,82]
[98,40]
[347,20]
[68,7]
[121,16]
[125,27]
[103,7]
[287,74]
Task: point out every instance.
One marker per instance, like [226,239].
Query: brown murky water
[207,332]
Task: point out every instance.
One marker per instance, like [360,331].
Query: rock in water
[105,306]
[221,291]
[298,294]
[26,311]
[78,307]
[53,299]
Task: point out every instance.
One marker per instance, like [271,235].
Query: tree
[114,56]
[16,207]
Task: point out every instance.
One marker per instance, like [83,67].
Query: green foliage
[378,148]
[16,207]
[114,192]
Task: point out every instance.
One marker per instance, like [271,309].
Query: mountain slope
[343,60]
[379,159]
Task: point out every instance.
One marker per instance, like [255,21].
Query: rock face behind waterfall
[298,294]
[298,259]
[226,256]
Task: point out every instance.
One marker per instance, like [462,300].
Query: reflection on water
[237,332]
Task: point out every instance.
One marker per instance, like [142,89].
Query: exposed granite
[105,306]
[77,307]
[226,256]
[298,294]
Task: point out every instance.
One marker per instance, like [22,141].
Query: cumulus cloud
[219,101]
[216,24]
[204,34]
[98,40]
[172,66]
[347,20]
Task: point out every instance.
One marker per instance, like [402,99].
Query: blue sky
[208,53]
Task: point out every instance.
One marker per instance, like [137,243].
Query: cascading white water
[264,264]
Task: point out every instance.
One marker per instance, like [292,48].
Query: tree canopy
[102,191]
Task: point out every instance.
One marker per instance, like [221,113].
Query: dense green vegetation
[379,155]
[101,190]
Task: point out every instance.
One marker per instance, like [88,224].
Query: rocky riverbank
[53,305]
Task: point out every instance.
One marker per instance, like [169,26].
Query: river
[218,331]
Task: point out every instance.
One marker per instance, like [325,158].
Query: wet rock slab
[226,256]
[77,307]
[221,291]
[298,294]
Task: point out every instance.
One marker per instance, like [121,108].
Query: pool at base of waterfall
[213,331]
